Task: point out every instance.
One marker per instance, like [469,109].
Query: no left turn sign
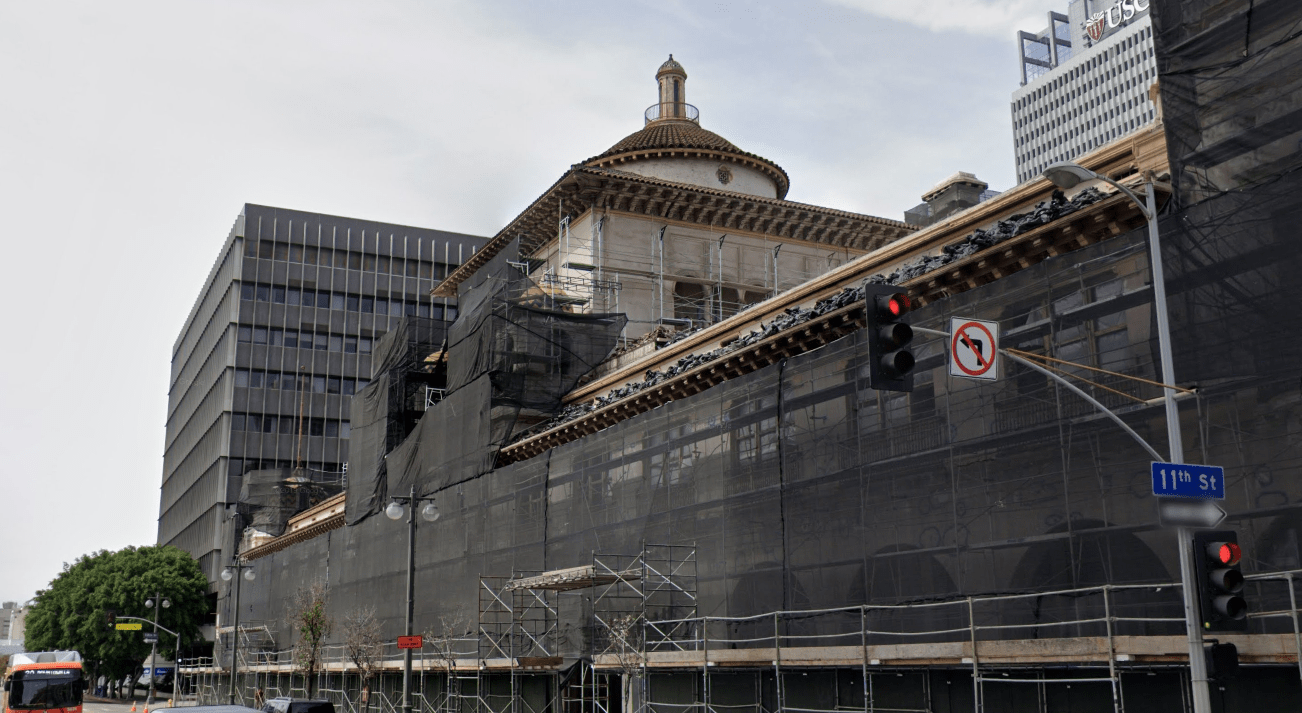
[973,346]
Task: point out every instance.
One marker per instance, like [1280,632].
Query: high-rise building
[1085,82]
[13,615]
[278,341]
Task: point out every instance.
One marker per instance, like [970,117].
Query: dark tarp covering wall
[268,498]
[384,412]
[803,488]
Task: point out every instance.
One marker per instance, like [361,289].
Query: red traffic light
[893,305]
[1226,553]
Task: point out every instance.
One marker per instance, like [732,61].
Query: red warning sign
[973,346]
[410,642]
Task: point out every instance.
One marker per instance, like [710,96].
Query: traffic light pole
[1202,701]
[1184,537]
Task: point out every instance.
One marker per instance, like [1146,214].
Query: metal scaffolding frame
[1084,641]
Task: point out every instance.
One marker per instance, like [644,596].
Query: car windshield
[41,690]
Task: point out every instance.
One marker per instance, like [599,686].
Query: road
[101,705]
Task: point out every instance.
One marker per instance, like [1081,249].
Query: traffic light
[890,363]
[1222,661]
[110,617]
[1216,558]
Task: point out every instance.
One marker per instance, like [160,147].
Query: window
[364,346]
[241,377]
[259,335]
[381,306]
[321,341]
[309,255]
[336,343]
[278,295]
[350,345]
[368,305]
[349,387]
[282,251]
[246,290]
[268,424]
[277,337]
[337,301]
[345,429]
[293,296]
[237,422]
[296,253]
[352,303]
[265,249]
[255,379]
[291,338]
[264,293]
[413,268]
[318,384]
[395,308]
[244,334]
[323,300]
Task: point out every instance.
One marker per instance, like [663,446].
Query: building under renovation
[664,483]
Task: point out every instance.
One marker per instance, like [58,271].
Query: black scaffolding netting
[511,360]
[802,488]
[268,498]
[406,365]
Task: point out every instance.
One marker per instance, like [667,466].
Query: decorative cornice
[585,188]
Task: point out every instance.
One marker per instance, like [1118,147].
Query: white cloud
[992,18]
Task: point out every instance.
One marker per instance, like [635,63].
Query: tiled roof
[659,137]
[671,134]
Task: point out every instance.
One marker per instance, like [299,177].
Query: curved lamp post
[1066,174]
[232,572]
[396,509]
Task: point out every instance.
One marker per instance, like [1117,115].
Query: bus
[49,681]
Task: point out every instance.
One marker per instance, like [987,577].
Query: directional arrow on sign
[1182,512]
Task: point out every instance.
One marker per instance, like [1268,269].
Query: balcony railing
[672,110]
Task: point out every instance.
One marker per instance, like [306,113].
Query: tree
[454,627]
[71,614]
[308,616]
[363,644]
[625,644]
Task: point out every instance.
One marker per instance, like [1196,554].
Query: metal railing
[672,110]
[986,629]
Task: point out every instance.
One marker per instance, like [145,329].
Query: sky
[132,133]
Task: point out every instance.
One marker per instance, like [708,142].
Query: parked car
[298,705]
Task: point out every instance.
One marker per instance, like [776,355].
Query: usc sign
[1114,17]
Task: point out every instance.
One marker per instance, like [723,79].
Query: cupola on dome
[672,146]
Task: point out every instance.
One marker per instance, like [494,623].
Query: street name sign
[1185,512]
[1181,480]
[128,626]
[973,345]
[150,637]
[410,642]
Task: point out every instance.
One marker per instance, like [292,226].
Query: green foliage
[72,613]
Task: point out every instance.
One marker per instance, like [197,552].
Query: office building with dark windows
[1085,82]
[277,343]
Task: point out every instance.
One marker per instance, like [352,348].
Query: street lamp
[154,603]
[232,573]
[396,509]
[1066,174]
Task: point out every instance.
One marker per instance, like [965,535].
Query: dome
[671,65]
[672,146]
[670,135]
